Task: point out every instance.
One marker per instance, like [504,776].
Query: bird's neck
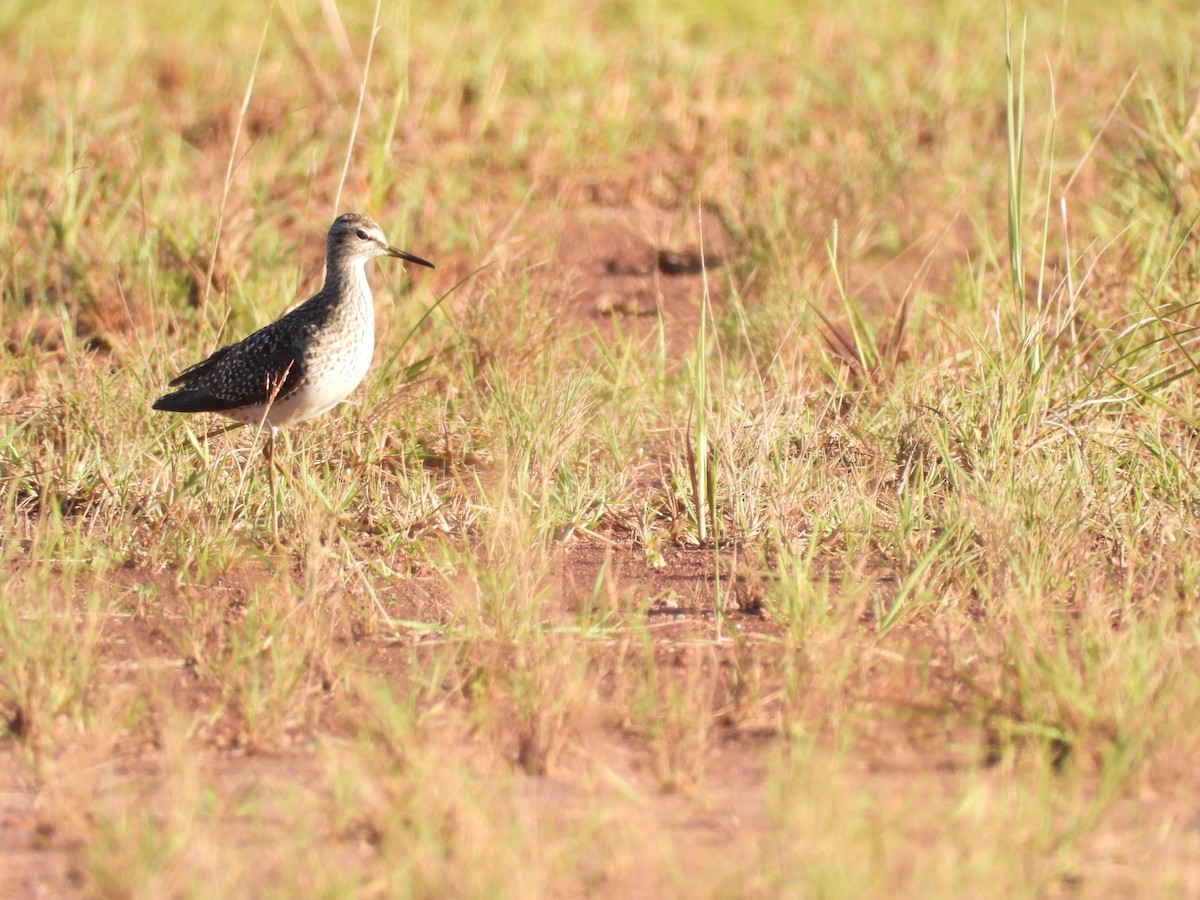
[347,281]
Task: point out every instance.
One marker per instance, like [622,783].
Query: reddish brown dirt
[625,267]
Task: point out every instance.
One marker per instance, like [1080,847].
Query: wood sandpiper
[307,361]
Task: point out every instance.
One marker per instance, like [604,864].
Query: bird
[305,362]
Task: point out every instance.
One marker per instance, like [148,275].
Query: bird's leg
[269,452]
[284,470]
[274,385]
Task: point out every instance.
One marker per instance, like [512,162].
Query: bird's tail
[190,401]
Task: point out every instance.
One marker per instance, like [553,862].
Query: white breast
[337,366]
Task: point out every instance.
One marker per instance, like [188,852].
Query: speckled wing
[241,374]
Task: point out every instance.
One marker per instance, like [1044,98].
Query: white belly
[329,381]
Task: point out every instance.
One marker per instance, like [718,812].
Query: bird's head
[354,237]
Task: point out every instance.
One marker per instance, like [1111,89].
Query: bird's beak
[400,254]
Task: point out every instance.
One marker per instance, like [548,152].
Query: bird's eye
[362,235]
